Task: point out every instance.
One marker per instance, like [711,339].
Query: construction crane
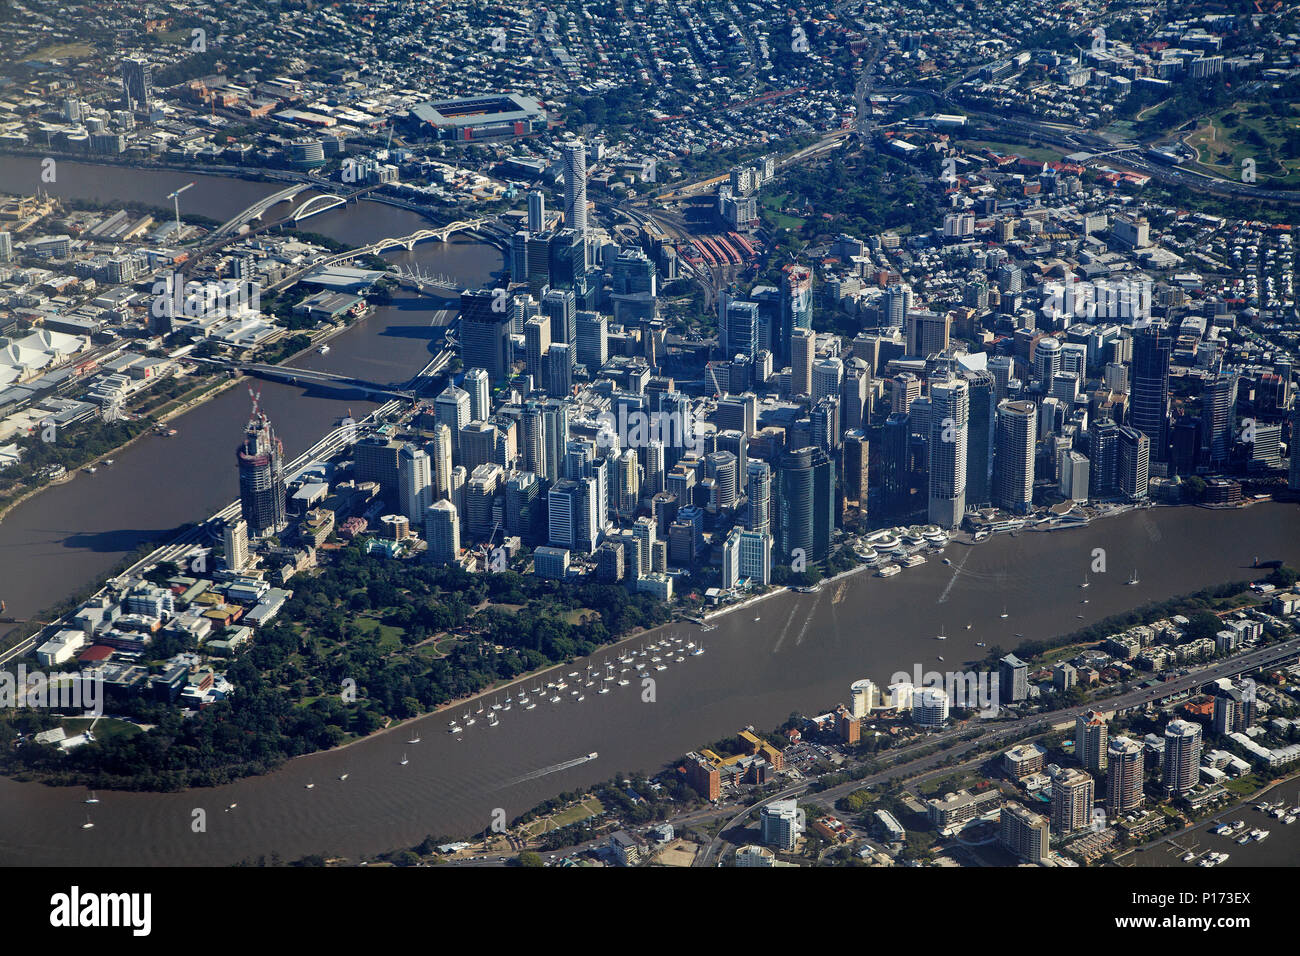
[176,200]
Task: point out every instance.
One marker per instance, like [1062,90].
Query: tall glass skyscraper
[949,422]
[261,476]
[1150,386]
[804,506]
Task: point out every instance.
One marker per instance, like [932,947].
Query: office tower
[627,482]
[1074,476]
[927,332]
[759,481]
[536,211]
[1234,711]
[1050,415]
[137,84]
[593,341]
[723,468]
[981,438]
[564,513]
[485,332]
[895,460]
[1013,680]
[1182,759]
[442,532]
[441,461]
[575,187]
[519,256]
[561,307]
[803,511]
[1293,473]
[1103,459]
[1133,459]
[803,348]
[949,420]
[856,455]
[477,385]
[1115,377]
[555,421]
[1047,360]
[780,824]
[6,247]
[1014,466]
[478,444]
[1090,735]
[537,343]
[559,369]
[855,394]
[895,304]
[824,420]
[480,496]
[538,257]
[740,330]
[826,378]
[1003,370]
[1185,445]
[234,538]
[652,476]
[1010,277]
[930,707]
[452,408]
[1072,796]
[1149,399]
[1218,418]
[523,505]
[1025,833]
[904,389]
[414,482]
[1124,756]
[796,308]
[261,476]
[456,489]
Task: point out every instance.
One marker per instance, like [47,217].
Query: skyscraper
[1182,759]
[261,476]
[137,84]
[1014,465]
[1218,418]
[895,461]
[981,438]
[485,332]
[442,532]
[1133,456]
[414,483]
[537,343]
[1103,459]
[1072,796]
[575,187]
[452,408]
[1124,757]
[536,211]
[478,385]
[803,511]
[803,346]
[950,402]
[234,536]
[1091,733]
[796,307]
[856,453]
[759,481]
[1149,412]
[440,461]
[740,329]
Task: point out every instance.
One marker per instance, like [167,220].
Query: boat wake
[547,771]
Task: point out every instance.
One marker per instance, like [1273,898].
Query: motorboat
[404,761]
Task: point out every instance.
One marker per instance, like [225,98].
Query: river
[789,652]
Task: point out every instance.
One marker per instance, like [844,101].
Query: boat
[1245,839]
[758,619]
[593,755]
[941,635]
[344,776]
[603,690]
[1085,583]
[493,722]
[404,760]
[1079,616]
[108,461]
[1004,610]
[91,469]
[1261,835]
[573,673]
[699,649]
[678,659]
[624,682]
[87,825]
[1133,578]
[940,657]
[579,698]
[1188,857]
[661,667]
[888,571]
[980,644]
[231,807]
[1289,818]
[555,699]
[969,626]
[455,730]
[92,798]
[311,786]
[470,721]
[947,560]
[414,740]
[324,350]
[530,706]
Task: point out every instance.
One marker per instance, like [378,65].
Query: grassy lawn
[389,637]
[63,51]
[1243,786]
[105,729]
[771,206]
[1224,140]
[579,811]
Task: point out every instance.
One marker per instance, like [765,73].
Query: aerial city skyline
[672,436]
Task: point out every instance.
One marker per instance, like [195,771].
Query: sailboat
[1085,582]
[1133,578]
[942,636]
[311,786]
[344,776]
[87,825]
[414,740]
[404,760]
[92,798]
[1004,610]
